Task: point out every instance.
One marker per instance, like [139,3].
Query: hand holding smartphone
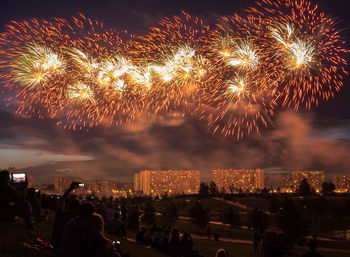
[18,177]
[77,184]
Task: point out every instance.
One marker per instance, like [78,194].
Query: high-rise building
[137,181]
[314,178]
[342,183]
[266,181]
[286,184]
[171,182]
[108,188]
[239,180]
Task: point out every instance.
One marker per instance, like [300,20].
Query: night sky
[316,139]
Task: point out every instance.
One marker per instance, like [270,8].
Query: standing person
[208,231]
[66,210]
[12,203]
[174,241]
[312,252]
[256,241]
[33,197]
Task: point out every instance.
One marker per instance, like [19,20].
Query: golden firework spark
[233,75]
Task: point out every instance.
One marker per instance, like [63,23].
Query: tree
[304,187]
[213,188]
[223,191]
[232,217]
[265,191]
[232,188]
[165,195]
[199,216]
[291,219]
[203,189]
[258,220]
[169,213]
[328,188]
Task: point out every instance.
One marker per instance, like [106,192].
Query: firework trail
[232,76]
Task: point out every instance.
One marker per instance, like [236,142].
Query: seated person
[174,241]
[12,203]
[186,244]
[83,236]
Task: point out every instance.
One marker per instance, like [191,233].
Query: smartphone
[19,177]
[81,184]
[116,242]
[37,190]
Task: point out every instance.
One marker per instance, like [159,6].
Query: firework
[308,48]
[179,69]
[241,99]
[232,76]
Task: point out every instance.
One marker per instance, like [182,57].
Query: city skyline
[287,181]
[181,182]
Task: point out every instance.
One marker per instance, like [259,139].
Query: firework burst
[308,48]
[232,76]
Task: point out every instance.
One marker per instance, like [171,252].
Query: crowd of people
[78,229]
[166,239]
[80,224]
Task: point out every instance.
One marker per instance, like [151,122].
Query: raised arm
[61,204]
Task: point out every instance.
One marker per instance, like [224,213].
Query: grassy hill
[14,237]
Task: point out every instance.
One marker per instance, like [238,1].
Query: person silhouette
[12,203]
[67,209]
[312,252]
[83,236]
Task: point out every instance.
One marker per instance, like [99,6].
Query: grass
[13,234]
[183,204]
[223,231]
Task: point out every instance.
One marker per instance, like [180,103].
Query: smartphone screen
[18,177]
[81,184]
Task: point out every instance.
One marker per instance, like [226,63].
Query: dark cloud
[161,143]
